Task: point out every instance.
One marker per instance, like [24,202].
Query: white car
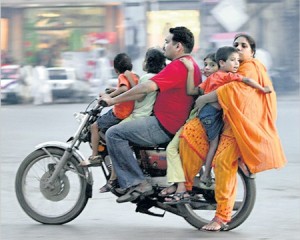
[14,88]
[64,84]
[99,86]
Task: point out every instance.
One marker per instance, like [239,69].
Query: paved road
[276,214]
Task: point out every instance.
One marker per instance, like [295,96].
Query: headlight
[79,117]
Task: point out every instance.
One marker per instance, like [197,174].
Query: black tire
[241,213]
[68,198]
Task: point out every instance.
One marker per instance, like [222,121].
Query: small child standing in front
[122,63]
[175,172]
[211,115]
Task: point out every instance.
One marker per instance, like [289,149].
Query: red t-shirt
[124,109]
[173,105]
[218,79]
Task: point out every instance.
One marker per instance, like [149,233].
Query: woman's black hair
[155,60]
[250,40]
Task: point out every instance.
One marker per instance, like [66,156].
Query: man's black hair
[184,36]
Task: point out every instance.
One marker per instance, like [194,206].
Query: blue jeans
[142,132]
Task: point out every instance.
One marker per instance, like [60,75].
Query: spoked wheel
[203,206]
[56,203]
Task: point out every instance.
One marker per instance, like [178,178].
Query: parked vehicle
[14,88]
[99,85]
[64,84]
[52,189]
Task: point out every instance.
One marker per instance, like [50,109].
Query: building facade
[52,28]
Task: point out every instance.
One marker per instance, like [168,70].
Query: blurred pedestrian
[103,68]
[41,90]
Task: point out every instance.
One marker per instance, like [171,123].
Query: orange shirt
[124,109]
[218,79]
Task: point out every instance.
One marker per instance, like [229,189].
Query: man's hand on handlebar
[105,100]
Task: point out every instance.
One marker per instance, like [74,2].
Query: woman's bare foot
[215,225]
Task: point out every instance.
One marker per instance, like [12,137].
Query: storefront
[51,31]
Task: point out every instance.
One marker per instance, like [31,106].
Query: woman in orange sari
[249,134]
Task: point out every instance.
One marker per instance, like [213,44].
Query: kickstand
[145,210]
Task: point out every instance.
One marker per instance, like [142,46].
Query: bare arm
[256,85]
[128,75]
[211,97]
[118,91]
[190,86]
[134,93]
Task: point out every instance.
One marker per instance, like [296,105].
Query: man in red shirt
[171,109]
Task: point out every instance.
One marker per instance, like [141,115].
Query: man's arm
[134,93]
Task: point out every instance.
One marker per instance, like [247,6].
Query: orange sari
[249,132]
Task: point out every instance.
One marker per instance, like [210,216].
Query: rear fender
[64,146]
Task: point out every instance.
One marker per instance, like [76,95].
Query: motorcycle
[53,189]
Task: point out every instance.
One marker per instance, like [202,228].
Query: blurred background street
[84,37]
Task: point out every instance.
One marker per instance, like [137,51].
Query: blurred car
[64,84]
[14,88]
[99,85]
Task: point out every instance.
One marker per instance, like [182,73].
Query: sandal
[168,191]
[141,190]
[108,186]
[210,228]
[207,184]
[178,198]
[93,161]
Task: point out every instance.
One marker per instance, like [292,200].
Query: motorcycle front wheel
[202,210]
[58,203]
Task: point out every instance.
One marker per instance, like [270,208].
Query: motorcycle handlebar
[102,103]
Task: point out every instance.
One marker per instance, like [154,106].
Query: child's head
[228,59]
[210,64]
[154,61]
[122,62]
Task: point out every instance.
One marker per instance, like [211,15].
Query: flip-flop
[135,193]
[108,186]
[94,161]
[223,226]
[178,198]
[168,191]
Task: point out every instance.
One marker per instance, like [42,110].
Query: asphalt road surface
[276,214]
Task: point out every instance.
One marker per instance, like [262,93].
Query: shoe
[122,191]
[108,186]
[142,189]
[215,221]
[178,198]
[93,161]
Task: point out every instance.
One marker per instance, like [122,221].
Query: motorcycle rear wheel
[57,205]
[199,213]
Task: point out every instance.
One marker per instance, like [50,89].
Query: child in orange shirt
[122,62]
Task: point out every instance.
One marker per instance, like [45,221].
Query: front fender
[78,155]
